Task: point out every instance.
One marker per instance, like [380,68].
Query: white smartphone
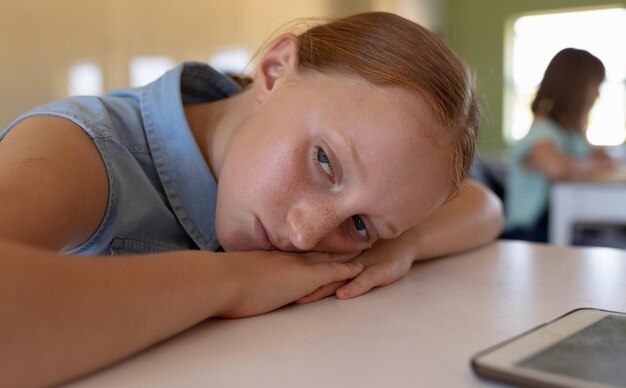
[583,348]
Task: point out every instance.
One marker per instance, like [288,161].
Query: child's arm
[63,316]
[469,220]
[545,158]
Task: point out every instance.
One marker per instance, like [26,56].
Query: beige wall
[40,40]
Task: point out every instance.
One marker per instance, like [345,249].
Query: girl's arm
[548,160]
[63,316]
[469,220]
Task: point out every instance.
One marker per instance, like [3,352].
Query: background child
[555,148]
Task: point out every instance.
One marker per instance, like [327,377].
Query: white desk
[420,331]
[603,202]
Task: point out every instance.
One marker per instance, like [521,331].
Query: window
[84,78]
[232,60]
[144,70]
[537,38]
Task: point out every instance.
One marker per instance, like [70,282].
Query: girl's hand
[603,160]
[386,262]
[261,281]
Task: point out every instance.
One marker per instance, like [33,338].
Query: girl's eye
[322,158]
[360,226]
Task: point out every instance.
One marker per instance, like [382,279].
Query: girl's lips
[262,236]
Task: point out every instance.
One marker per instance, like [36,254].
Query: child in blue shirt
[555,147]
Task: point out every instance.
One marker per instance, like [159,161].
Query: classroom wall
[40,40]
[475,30]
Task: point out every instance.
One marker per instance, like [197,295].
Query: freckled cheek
[281,174]
[323,218]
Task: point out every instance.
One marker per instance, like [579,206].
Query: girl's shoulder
[98,116]
[542,130]
[546,125]
[546,130]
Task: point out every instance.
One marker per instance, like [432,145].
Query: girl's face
[591,95]
[330,163]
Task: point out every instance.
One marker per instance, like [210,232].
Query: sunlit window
[536,39]
[231,60]
[84,78]
[144,70]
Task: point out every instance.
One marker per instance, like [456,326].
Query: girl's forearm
[469,220]
[63,316]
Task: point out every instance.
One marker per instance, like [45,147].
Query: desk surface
[420,331]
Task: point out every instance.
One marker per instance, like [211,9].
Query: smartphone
[583,348]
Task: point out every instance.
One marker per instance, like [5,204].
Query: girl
[556,147]
[342,164]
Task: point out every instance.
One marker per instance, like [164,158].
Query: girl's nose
[311,223]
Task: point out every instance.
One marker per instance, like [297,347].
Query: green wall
[475,30]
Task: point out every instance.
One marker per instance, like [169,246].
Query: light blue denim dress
[162,194]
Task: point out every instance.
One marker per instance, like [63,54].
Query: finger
[334,275]
[367,280]
[320,257]
[343,271]
[335,272]
[321,292]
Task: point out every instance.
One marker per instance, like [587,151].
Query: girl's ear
[275,65]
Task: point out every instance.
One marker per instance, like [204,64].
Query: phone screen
[596,353]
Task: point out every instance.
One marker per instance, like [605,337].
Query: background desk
[596,202]
[420,331]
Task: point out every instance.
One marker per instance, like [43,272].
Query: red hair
[388,50]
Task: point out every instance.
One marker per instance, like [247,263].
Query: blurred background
[52,49]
